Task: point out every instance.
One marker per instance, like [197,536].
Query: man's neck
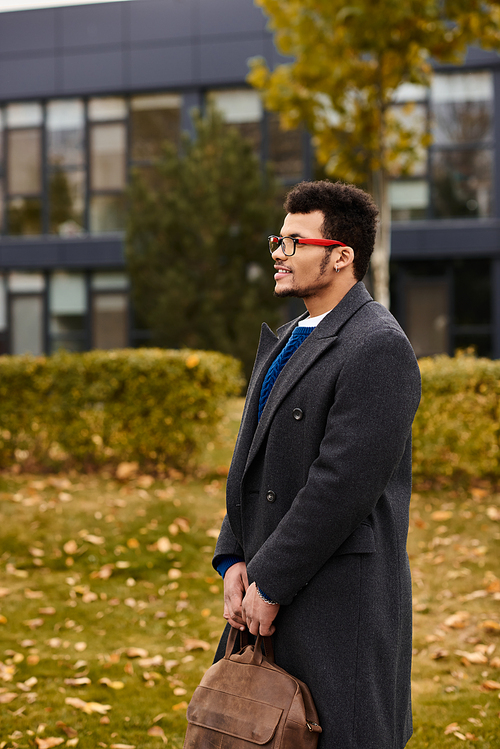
[318,305]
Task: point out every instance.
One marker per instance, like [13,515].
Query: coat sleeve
[367,431]
[226,544]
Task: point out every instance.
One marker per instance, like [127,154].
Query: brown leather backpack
[245,701]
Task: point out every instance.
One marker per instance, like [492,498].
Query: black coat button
[298,414]
[271,496]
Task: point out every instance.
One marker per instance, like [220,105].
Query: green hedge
[153,406]
[456,433]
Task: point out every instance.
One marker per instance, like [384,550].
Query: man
[313,546]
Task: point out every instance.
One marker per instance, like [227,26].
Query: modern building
[88,92]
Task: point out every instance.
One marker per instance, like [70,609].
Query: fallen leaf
[49,742]
[7,697]
[441,653]
[87,707]
[457,620]
[180,706]
[122,746]
[159,732]
[490,625]
[80,646]
[33,623]
[475,657]
[440,515]
[80,681]
[47,611]
[72,742]
[28,593]
[133,543]
[495,662]
[136,653]
[193,644]
[96,540]
[70,547]
[4,592]
[112,684]
[70,732]
[491,684]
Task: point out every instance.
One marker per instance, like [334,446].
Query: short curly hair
[350,216]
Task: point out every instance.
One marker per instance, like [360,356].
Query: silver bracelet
[265,599]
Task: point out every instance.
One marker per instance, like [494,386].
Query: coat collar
[321,339]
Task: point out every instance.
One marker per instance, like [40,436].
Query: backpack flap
[234,715]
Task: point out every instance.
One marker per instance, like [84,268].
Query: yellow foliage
[456,433]
[144,408]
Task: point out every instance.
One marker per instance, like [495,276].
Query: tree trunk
[382,252]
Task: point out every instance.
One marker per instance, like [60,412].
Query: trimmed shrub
[152,406]
[456,433]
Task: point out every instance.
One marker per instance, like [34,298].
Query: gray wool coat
[318,500]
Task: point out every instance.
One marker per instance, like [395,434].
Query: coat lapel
[319,341]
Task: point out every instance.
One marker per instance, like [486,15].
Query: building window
[66,166]
[24,168]
[286,150]
[108,164]
[154,119]
[67,311]
[445,305]
[462,150]
[241,108]
[458,168]
[110,310]
[26,308]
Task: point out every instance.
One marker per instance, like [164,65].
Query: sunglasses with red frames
[289,244]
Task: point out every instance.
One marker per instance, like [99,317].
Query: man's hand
[258,614]
[235,586]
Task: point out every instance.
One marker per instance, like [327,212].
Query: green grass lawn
[110,610]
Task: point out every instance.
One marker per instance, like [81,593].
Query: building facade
[88,93]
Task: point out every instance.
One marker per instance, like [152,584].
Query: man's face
[311,271]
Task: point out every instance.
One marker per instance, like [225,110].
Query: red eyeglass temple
[322,242]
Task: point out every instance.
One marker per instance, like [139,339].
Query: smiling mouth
[280,271]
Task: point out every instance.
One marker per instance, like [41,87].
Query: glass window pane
[24,162]
[472,291]
[28,114]
[107,157]
[65,132]
[409,199]
[66,202]
[285,150]
[427,315]
[154,119]
[108,108]
[462,183]
[410,92]
[3,304]
[68,306]
[481,342]
[458,87]
[67,293]
[24,216]
[109,281]
[237,105]
[22,282]
[462,108]
[107,213]
[27,324]
[110,321]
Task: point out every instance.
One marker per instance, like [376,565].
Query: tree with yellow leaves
[349,61]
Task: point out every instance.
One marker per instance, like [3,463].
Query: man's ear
[345,258]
